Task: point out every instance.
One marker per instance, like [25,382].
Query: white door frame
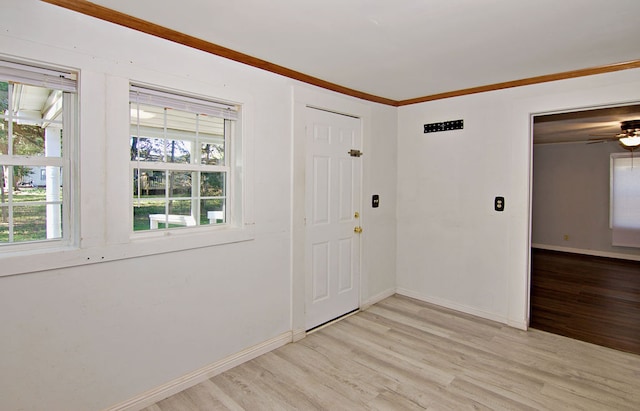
[303,97]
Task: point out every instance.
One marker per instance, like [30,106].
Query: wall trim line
[377,298]
[594,253]
[463,308]
[195,377]
[565,75]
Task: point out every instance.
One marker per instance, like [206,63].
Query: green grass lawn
[141,213]
[30,220]
[30,194]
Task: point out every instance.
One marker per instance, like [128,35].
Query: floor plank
[404,354]
[592,299]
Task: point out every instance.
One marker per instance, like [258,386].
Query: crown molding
[134,23]
[526,82]
[125,20]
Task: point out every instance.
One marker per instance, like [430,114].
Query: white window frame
[232,212]
[624,210]
[15,72]
[106,223]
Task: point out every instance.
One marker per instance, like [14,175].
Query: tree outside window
[178,151]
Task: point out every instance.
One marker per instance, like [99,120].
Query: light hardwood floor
[403,354]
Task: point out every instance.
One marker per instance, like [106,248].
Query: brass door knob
[357,229]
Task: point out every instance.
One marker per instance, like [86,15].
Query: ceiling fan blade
[609,137]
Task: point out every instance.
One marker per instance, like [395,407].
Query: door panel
[320,271]
[332,249]
[321,187]
[346,188]
[345,263]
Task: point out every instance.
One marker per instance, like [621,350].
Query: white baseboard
[189,380]
[455,306]
[297,335]
[376,298]
[595,253]
[521,325]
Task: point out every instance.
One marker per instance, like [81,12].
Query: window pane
[28,140]
[180,207]
[146,214]
[212,153]
[211,137]
[626,194]
[147,149]
[52,181]
[133,147]
[180,184]
[212,185]
[5,188]
[147,116]
[208,125]
[34,107]
[4,135]
[26,177]
[625,206]
[31,219]
[179,120]
[30,223]
[4,96]
[178,151]
[172,129]
[29,193]
[151,184]
[32,196]
[212,211]
[147,133]
[4,224]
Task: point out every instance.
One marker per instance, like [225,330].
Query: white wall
[453,248]
[571,197]
[379,240]
[87,336]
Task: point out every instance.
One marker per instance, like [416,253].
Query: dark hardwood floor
[593,299]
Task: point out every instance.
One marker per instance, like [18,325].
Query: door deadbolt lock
[357,229]
[356,215]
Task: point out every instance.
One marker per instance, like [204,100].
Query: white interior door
[333,184]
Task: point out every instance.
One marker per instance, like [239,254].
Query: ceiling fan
[629,136]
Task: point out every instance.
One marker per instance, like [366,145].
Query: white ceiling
[403,49]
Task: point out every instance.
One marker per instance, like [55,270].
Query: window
[181,160]
[625,200]
[37,108]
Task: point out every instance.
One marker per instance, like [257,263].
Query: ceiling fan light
[630,141]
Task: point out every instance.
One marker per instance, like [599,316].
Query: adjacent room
[319,205]
[586,255]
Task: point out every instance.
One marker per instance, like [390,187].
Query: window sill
[23,262]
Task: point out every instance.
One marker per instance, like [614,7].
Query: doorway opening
[581,286]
